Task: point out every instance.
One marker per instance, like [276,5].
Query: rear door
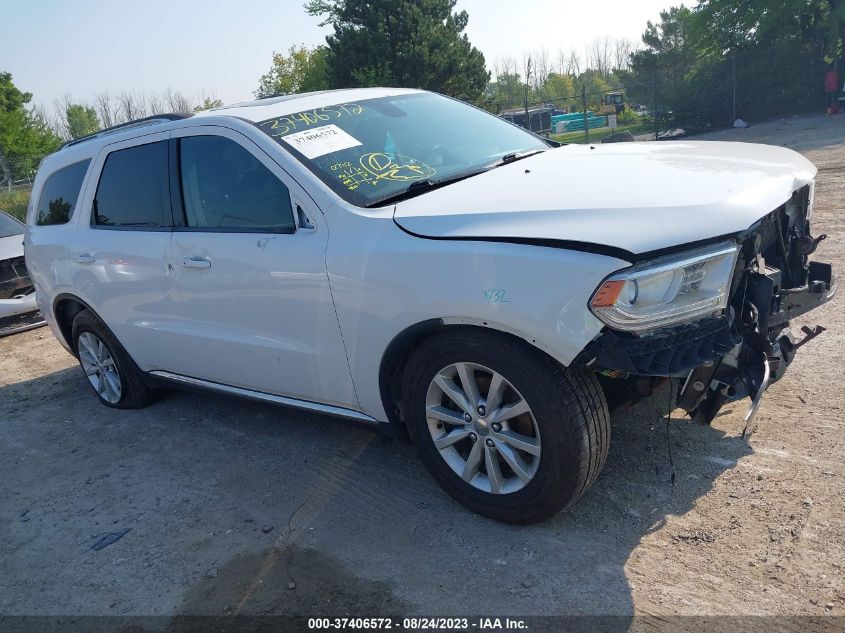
[249,258]
[119,253]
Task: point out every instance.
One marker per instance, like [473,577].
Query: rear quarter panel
[46,247]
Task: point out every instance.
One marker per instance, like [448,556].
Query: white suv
[396,256]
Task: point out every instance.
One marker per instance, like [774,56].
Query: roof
[129,125]
[252,111]
[264,109]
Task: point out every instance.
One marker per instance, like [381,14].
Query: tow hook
[786,348]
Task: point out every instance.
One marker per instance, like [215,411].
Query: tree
[105,107]
[558,86]
[753,59]
[506,91]
[25,137]
[209,103]
[11,99]
[301,70]
[660,69]
[81,120]
[411,43]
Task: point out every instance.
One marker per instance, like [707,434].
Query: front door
[250,274]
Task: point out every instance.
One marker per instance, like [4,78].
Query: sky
[221,48]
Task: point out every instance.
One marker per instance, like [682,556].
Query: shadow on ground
[235,507]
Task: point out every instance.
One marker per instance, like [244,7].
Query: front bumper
[721,359]
[18,305]
[678,350]
[19,314]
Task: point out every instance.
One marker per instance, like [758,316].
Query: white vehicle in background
[18,309]
[398,257]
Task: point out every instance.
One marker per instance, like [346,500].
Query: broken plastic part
[755,403]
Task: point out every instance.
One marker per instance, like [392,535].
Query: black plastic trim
[666,352]
[177,207]
[145,229]
[247,229]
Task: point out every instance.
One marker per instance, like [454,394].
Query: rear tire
[113,375]
[564,426]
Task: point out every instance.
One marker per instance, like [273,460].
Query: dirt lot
[229,503]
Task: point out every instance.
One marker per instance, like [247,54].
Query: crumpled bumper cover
[18,305]
[664,353]
[675,351]
[19,314]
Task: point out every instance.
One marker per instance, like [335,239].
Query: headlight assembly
[667,291]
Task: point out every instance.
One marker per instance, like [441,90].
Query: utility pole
[525,95]
[654,102]
[733,76]
[586,126]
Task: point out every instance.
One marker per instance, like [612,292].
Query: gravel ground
[208,505]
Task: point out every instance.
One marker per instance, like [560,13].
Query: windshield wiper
[421,186]
[513,157]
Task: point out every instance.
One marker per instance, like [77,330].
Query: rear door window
[133,191]
[58,197]
[226,188]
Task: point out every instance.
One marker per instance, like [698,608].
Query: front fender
[385,281]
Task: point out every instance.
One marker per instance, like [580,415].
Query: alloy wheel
[100,368]
[483,428]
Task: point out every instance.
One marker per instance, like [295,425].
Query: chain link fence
[591,116]
[16,178]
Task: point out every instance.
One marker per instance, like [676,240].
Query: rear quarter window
[133,190]
[59,195]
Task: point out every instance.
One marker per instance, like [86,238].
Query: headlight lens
[667,291]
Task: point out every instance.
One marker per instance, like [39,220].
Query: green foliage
[777,52]
[410,43]
[25,138]
[506,91]
[558,86]
[208,103]
[628,116]
[14,203]
[301,70]
[81,120]
[595,85]
[11,99]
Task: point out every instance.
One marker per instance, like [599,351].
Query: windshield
[9,226]
[371,150]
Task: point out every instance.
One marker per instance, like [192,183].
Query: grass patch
[14,203]
[597,134]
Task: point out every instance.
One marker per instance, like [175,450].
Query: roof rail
[148,120]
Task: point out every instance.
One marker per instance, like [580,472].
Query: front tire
[503,428]
[115,378]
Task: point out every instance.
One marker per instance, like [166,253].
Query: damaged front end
[18,308]
[741,349]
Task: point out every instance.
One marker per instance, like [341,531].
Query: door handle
[84,258]
[196,262]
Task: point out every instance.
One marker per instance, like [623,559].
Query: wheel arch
[65,308]
[397,352]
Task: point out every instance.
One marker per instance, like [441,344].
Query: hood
[633,197]
[11,246]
